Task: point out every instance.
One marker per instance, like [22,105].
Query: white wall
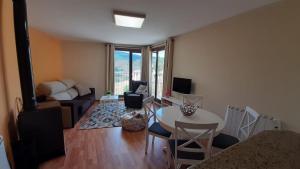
[251,59]
[85,63]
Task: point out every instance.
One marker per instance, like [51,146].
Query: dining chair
[233,118]
[267,123]
[248,123]
[152,126]
[191,150]
[241,130]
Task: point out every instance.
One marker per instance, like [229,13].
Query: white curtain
[146,65]
[110,50]
[168,65]
[146,60]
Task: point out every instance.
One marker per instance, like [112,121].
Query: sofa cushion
[60,96]
[50,88]
[82,89]
[72,92]
[68,82]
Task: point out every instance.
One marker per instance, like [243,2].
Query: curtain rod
[159,44]
[162,43]
[126,46]
[129,46]
[155,45]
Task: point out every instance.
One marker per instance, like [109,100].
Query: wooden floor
[108,148]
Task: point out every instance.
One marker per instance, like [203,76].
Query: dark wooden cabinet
[42,130]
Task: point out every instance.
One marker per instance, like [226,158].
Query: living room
[241,54]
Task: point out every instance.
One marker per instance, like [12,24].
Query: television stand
[170,101]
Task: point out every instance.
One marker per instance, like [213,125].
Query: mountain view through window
[127,67]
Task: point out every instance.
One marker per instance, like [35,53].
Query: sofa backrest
[54,87]
[50,88]
[57,90]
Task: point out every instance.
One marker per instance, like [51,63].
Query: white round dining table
[167,116]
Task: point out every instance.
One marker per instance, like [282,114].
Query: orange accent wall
[47,65]
[46,56]
[9,75]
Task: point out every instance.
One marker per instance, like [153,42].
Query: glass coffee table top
[109,98]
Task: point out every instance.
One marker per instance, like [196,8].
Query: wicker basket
[133,121]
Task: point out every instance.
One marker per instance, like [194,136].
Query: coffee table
[108,99]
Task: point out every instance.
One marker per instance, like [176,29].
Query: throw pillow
[82,89]
[142,89]
[50,88]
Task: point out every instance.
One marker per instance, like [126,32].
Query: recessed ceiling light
[126,19]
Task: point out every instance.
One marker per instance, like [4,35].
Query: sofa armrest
[93,90]
[134,94]
[127,93]
[48,104]
[74,106]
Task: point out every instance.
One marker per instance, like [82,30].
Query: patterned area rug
[105,115]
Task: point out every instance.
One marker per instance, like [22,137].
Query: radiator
[3,158]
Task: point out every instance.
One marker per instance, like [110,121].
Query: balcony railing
[159,84]
[122,81]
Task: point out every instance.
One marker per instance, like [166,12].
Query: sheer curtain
[146,65]
[110,50]
[146,61]
[168,65]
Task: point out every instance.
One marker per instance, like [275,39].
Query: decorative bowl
[188,109]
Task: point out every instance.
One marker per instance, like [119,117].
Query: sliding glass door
[157,72]
[136,66]
[121,70]
[127,67]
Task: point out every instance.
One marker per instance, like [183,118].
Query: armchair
[132,99]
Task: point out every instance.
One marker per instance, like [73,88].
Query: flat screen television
[182,85]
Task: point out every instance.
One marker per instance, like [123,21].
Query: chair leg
[176,164]
[169,158]
[147,142]
[153,138]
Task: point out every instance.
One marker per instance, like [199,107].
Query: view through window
[157,72]
[127,67]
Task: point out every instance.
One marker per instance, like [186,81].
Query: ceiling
[92,20]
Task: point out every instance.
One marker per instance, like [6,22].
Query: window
[157,72]
[127,67]
[136,66]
